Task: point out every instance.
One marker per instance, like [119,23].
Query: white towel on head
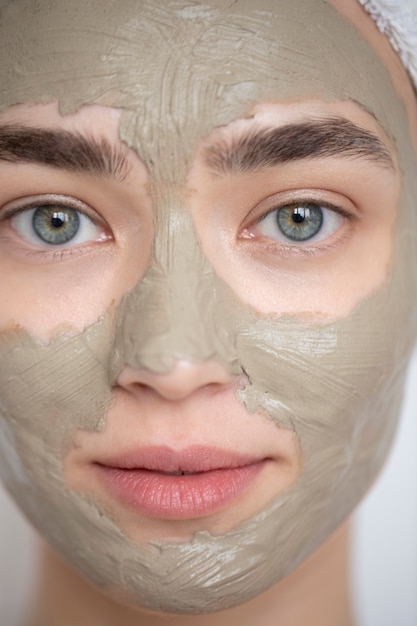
[397,19]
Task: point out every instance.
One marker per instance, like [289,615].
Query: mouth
[162,483]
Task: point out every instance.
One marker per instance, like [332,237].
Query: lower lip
[176,497]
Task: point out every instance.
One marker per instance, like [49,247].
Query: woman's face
[207,286]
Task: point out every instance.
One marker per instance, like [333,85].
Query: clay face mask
[336,384]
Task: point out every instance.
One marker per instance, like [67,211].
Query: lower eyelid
[310,252]
[271,251]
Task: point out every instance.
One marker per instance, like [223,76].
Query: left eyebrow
[63,149]
[267,147]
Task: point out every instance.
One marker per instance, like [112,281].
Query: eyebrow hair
[63,149]
[267,147]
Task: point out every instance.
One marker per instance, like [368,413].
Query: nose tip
[181,381]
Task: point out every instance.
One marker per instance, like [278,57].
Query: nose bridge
[175,313]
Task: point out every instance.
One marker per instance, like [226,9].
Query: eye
[299,222]
[57,223]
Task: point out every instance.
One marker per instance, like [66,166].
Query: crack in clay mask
[336,384]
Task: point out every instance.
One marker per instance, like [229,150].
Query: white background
[385,567]
[385,550]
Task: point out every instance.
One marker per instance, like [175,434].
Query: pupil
[299,216]
[58,220]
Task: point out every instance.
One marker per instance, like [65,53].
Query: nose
[175,331]
[184,379]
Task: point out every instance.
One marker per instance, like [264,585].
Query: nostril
[181,381]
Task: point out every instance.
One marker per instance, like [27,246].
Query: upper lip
[194,459]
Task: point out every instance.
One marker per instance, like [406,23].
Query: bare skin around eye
[325,276]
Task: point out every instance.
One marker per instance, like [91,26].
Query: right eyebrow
[314,138]
[63,149]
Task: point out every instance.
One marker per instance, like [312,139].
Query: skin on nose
[181,381]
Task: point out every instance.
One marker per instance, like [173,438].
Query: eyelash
[86,218]
[290,248]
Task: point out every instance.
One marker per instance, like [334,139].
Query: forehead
[180,69]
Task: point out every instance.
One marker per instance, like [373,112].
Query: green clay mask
[172,90]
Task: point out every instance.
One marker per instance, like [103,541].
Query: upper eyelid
[324,205]
[20,205]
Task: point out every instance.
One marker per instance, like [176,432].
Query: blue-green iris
[300,222]
[55,225]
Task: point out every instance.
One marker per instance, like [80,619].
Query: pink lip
[162,483]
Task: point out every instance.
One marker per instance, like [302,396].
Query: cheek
[45,302]
[50,298]
[319,290]
[339,387]
[42,387]
[43,402]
